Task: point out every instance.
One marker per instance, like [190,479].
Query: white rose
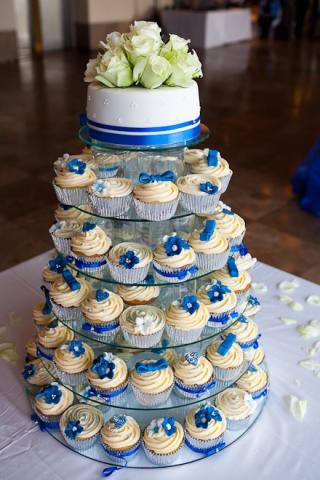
[185,66]
[151,72]
[91,70]
[116,73]
[137,46]
[146,28]
[175,43]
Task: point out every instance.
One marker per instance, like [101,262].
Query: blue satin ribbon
[181,275]
[254,344]
[107,169]
[124,454]
[206,451]
[80,264]
[44,355]
[107,472]
[167,176]
[92,392]
[258,395]
[196,390]
[99,329]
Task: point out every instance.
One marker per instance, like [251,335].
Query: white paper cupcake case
[236,240]
[225,181]
[117,400]
[199,203]
[238,424]
[156,212]
[203,444]
[102,173]
[213,261]
[178,335]
[61,244]
[110,207]
[66,314]
[256,395]
[46,352]
[46,418]
[81,445]
[166,270]
[124,275]
[71,196]
[117,459]
[227,374]
[151,399]
[182,394]
[108,336]
[161,459]
[88,263]
[72,379]
[143,341]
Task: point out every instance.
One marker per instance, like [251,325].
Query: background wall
[8,40]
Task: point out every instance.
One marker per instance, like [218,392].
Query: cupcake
[151,381]
[163,439]
[243,259]
[66,295]
[31,350]
[221,303]
[156,197]
[258,357]
[255,381]
[190,156]
[170,355]
[142,326]
[213,165]
[211,247]
[226,357]
[111,197]
[72,360]
[129,262]
[62,233]
[90,248]
[108,378]
[231,225]
[193,376]
[139,295]
[101,310]
[68,213]
[80,426]
[247,335]
[106,165]
[50,403]
[52,337]
[71,181]
[230,276]
[199,193]
[237,406]
[121,438]
[185,319]
[42,313]
[205,427]
[86,157]
[38,373]
[252,306]
[52,271]
[174,259]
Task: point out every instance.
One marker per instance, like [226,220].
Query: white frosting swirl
[90,418]
[190,184]
[214,429]
[189,374]
[201,167]
[120,376]
[66,179]
[192,155]
[232,359]
[141,251]
[121,439]
[49,409]
[142,320]
[230,225]
[55,337]
[178,317]
[235,403]
[31,348]
[138,295]
[66,361]
[237,284]
[245,332]
[183,259]
[253,381]
[48,275]
[62,294]
[40,318]
[114,187]
[217,243]
[72,213]
[91,243]
[161,443]
[43,372]
[156,192]
[228,302]
[152,382]
[65,229]
[106,310]
[244,262]
[251,310]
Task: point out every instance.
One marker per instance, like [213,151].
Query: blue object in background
[306,181]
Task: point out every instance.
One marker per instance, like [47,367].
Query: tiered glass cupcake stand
[129,227]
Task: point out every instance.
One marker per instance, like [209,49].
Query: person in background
[270,13]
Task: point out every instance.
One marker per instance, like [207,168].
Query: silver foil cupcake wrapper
[227,374]
[81,445]
[225,181]
[106,172]
[161,459]
[156,211]
[61,244]
[110,207]
[178,335]
[47,419]
[196,391]
[170,275]
[121,457]
[213,261]
[238,424]
[72,379]
[71,196]
[115,396]
[143,341]
[87,264]
[124,275]
[151,399]
[95,330]
[236,240]
[66,314]
[199,203]
[203,444]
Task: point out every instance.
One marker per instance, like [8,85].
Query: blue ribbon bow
[208,230]
[227,343]
[57,264]
[142,367]
[167,176]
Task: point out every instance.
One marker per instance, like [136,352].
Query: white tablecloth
[277,447]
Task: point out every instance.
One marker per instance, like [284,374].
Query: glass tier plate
[102,146]
[186,456]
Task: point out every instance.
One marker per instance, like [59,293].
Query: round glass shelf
[102,146]
[140,461]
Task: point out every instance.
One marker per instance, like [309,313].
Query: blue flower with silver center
[87,227]
[76,347]
[190,304]
[128,260]
[192,357]
[208,188]
[73,428]
[51,394]
[29,371]
[168,426]
[103,366]
[217,291]
[205,414]
[174,245]
[57,264]
[119,421]
[102,295]
[99,186]
[76,166]
[253,300]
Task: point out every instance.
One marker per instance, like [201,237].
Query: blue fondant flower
[76,166]
[76,347]
[227,211]
[99,186]
[192,357]
[242,319]
[253,300]
[73,284]
[167,176]
[213,158]
[227,343]
[47,307]
[102,295]
[168,426]
[216,292]
[205,414]
[51,394]
[243,249]
[119,421]
[57,264]
[103,366]
[190,304]
[209,188]
[149,280]
[208,230]
[73,428]
[87,227]
[29,371]
[174,245]
[232,267]
[128,260]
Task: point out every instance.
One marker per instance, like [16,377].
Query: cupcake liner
[66,314]
[212,261]
[236,240]
[227,374]
[33,389]
[225,180]
[161,458]
[61,244]
[46,353]
[124,275]
[199,203]
[219,322]
[143,341]
[110,207]
[238,424]
[262,392]
[151,399]
[72,379]
[89,264]
[179,335]
[96,330]
[106,172]
[81,445]
[71,196]
[193,391]
[170,275]
[242,296]
[195,443]
[50,421]
[250,344]
[112,396]
[121,457]
[156,211]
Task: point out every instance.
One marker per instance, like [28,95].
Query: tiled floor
[260,100]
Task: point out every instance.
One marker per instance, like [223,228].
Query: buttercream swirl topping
[143,253]
[180,317]
[163,436]
[232,359]
[218,168]
[74,174]
[174,252]
[142,320]
[107,372]
[114,187]
[237,284]
[100,311]
[244,331]
[191,184]
[69,213]
[55,337]
[65,229]
[213,243]
[156,192]
[215,304]
[235,403]
[90,243]
[138,294]
[63,295]
[193,374]
[123,438]
[89,418]
[68,359]
[205,422]
[149,378]
[253,380]
[230,225]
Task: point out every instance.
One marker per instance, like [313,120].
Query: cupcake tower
[146,349]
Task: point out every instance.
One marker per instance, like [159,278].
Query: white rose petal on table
[311,365]
[259,287]
[288,321]
[291,303]
[313,300]
[310,329]
[314,349]
[288,286]
[297,407]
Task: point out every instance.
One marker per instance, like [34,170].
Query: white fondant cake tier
[138,116]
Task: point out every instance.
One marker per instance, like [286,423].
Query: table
[277,447]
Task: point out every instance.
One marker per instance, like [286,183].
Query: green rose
[175,44]
[137,46]
[185,66]
[115,73]
[151,72]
